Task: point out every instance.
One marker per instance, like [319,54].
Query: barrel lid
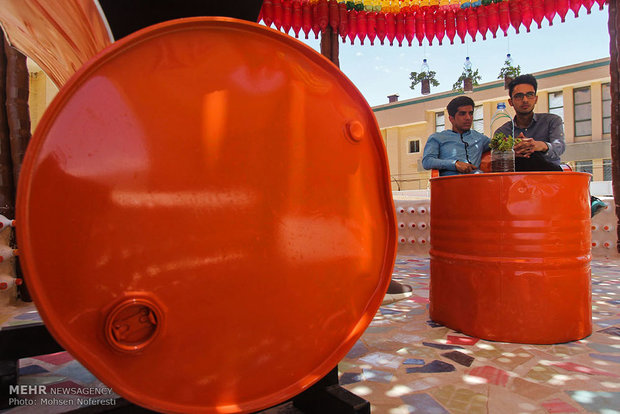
[205,216]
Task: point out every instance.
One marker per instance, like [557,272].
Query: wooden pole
[18,117]
[329,45]
[18,114]
[7,191]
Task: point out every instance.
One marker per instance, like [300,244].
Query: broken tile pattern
[58,373]
[441,346]
[405,362]
[381,359]
[531,390]
[461,400]
[459,358]
[423,403]
[597,401]
[612,358]
[541,373]
[433,367]
[446,371]
[558,406]
[571,366]
[490,374]
[512,360]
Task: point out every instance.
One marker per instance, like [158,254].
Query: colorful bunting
[415,19]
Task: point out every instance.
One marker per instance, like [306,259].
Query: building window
[583,166]
[414,146]
[479,119]
[606,108]
[440,121]
[607,169]
[556,104]
[583,111]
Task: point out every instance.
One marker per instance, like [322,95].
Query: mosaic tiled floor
[68,385]
[405,363]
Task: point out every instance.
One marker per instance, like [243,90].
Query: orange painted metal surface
[205,216]
[510,256]
[59,36]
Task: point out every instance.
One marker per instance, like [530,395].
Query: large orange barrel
[510,256]
[205,216]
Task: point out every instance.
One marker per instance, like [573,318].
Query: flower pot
[507,80]
[502,161]
[468,85]
[426,86]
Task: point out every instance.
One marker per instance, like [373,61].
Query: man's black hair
[457,102]
[519,80]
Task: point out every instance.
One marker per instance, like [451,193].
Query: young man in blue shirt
[459,150]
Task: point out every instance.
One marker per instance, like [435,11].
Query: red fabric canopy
[416,22]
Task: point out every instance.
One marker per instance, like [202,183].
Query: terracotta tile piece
[491,374]
[558,406]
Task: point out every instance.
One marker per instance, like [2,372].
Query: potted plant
[509,71]
[468,79]
[502,152]
[426,77]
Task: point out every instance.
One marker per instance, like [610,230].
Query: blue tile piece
[28,316]
[386,311]
[413,361]
[350,378]
[378,329]
[416,311]
[614,330]
[611,358]
[608,322]
[32,369]
[435,366]
[423,403]
[597,401]
[358,350]
[441,346]
[433,324]
[76,372]
[614,302]
[605,349]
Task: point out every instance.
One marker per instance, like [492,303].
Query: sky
[379,71]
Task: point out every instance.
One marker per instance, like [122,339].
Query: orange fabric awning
[59,38]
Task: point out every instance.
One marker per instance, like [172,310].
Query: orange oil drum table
[205,216]
[510,256]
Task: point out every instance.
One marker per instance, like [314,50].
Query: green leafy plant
[509,70]
[417,78]
[501,142]
[467,74]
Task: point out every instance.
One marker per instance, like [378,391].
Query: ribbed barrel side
[510,256]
